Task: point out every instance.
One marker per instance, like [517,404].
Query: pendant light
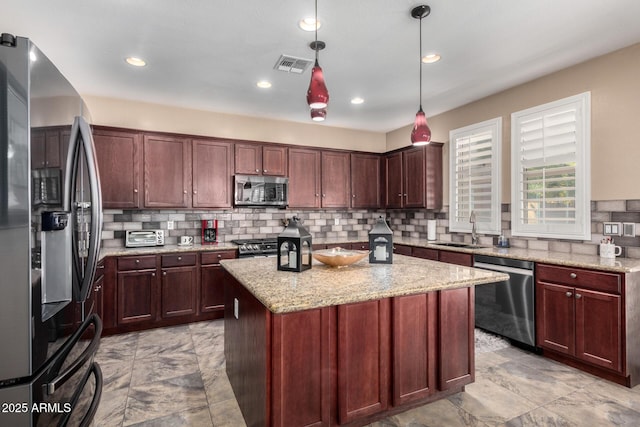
[318,114]
[421,134]
[317,95]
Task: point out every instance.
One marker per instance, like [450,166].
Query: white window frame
[493,224]
[581,229]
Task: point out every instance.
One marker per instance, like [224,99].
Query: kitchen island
[347,346]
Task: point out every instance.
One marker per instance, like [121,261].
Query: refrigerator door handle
[93,407]
[88,352]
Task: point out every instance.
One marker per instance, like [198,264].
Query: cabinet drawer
[360,246]
[402,250]
[215,257]
[597,280]
[178,260]
[456,258]
[425,253]
[136,262]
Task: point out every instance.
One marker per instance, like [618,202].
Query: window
[550,161]
[475,176]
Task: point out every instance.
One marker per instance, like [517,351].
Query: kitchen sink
[460,245]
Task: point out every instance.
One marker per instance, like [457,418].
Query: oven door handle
[86,354]
[503,269]
[97,395]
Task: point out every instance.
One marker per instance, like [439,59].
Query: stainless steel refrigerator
[50,228]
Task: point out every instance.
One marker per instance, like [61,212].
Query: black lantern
[381,243]
[294,247]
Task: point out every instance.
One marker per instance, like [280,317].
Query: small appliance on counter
[144,238]
[209,231]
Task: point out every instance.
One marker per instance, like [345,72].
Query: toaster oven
[144,238]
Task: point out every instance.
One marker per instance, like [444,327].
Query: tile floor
[175,377]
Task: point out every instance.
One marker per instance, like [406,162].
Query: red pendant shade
[421,134]
[317,95]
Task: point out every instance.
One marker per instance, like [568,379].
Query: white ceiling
[208,54]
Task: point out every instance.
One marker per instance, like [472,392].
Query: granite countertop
[323,286]
[222,246]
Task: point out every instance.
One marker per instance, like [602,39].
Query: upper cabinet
[49,147]
[304,178]
[167,171]
[256,159]
[366,191]
[414,177]
[212,174]
[336,191]
[119,154]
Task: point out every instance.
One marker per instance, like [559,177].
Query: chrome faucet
[474,235]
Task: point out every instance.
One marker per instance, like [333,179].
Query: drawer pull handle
[164,273]
[219,256]
[578,296]
[573,275]
[179,258]
[153,274]
[569,294]
[137,261]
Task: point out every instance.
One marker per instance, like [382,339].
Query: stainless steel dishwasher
[507,308]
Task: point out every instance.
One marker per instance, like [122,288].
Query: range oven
[252,248]
[507,308]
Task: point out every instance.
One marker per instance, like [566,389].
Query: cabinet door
[365,181]
[38,141]
[555,314]
[211,288]
[274,160]
[335,180]
[457,348]
[393,175]
[137,296]
[53,149]
[179,286]
[304,178]
[301,361]
[433,173]
[402,250]
[414,177]
[458,258]
[599,328]
[167,172]
[248,159]
[118,155]
[362,326]
[212,174]
[414,347]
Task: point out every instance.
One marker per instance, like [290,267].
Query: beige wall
[614,82]
[162,118]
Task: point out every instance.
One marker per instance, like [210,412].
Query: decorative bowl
[339,257]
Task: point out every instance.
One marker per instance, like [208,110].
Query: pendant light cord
[420,58]
[316,28]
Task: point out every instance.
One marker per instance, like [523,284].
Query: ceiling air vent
[291,64]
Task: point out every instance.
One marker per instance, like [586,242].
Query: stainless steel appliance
[251,248]
[258,190]
[144,238]
[507,308]
[48,248]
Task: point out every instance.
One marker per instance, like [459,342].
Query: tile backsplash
[245,223]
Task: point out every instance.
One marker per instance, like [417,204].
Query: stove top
[256,247]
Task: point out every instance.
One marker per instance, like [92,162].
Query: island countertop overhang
[323,286]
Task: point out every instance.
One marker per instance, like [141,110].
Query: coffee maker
[209,231]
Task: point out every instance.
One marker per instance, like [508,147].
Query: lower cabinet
[580,315]
[148,291]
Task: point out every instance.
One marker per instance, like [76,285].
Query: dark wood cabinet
[137,289]
[304,178]
[257,159]
[425,253]
[366,191]
[167,171]
[212,174]
[212,281]
[119,154]
[414,177]
[414,356]
[363,326]
[335,178]
[48,147]
[459,258]
[456,345]
[402,250]
[179,285]
[579,313]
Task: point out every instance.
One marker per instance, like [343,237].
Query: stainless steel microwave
[261,190]
[144,238]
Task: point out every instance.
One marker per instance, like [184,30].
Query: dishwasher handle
[503,269]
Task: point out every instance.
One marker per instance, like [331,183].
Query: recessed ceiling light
[357,100]
[309,24]
[263,84]
[431,58]
[136,62]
